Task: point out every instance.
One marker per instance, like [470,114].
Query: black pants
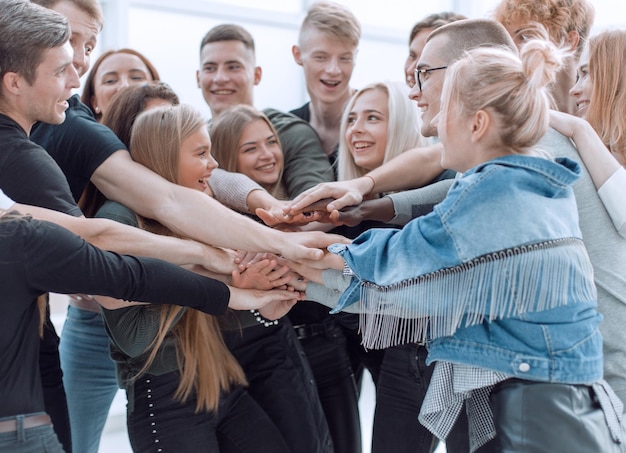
[402,385]
[327,353]
[281,382]
[161,423]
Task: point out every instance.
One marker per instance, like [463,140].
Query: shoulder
[292,131]
[282,120]
[80,130]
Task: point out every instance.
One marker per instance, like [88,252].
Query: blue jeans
[52,383]
[159,423]
[402,385]
[88,376]
[32,440]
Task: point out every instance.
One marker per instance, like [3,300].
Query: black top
[28,174]
[304,113]
[36,257]
[79,145]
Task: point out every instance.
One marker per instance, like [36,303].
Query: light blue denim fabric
[500,204]
[88,376]
[32,440]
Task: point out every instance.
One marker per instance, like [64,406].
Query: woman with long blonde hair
[390,111]
[245,141]
[185,389]
[600,93]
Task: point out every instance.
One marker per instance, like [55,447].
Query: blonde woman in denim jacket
[496,280]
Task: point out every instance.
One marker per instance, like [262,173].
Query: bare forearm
[193,214]
[114,236]
[597,158]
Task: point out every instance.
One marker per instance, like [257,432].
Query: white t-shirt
[5,202]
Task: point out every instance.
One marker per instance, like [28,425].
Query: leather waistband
[304,331]
[82,303]
[32,421]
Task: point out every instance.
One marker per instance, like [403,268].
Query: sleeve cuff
[612,195]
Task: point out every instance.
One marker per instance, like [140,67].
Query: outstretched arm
[114,236]
[413,168]
[192,214]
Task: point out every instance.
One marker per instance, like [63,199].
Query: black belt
[304,331]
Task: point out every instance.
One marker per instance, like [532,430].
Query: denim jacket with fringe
[496,276]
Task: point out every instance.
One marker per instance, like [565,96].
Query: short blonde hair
[515,90]
[403,127]
[333,20]
[466,34]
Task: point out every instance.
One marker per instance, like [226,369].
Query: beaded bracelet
[261,320]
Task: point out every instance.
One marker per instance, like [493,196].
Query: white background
[168,32]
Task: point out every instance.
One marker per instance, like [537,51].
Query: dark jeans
[159,423]
[52,383]
[360,358]
[327,353]
[281,382]
[402,385]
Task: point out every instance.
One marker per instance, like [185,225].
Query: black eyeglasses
[420,72]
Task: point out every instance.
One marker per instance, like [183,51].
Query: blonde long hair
[206,365]
[403,128]
[607,106]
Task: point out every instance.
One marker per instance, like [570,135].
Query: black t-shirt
[28,174]
[36,257]
[79,145]
[304,113]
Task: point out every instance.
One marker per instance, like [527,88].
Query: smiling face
[117,71]
[46,99]
[429,97]
[195,163]
[84,35]
[227,75]
[366,131]
[415,52]
[328,63]
[259,154]
[583,88]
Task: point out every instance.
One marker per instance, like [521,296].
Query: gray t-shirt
[607,250]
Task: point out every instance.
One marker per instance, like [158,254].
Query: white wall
[168,32]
